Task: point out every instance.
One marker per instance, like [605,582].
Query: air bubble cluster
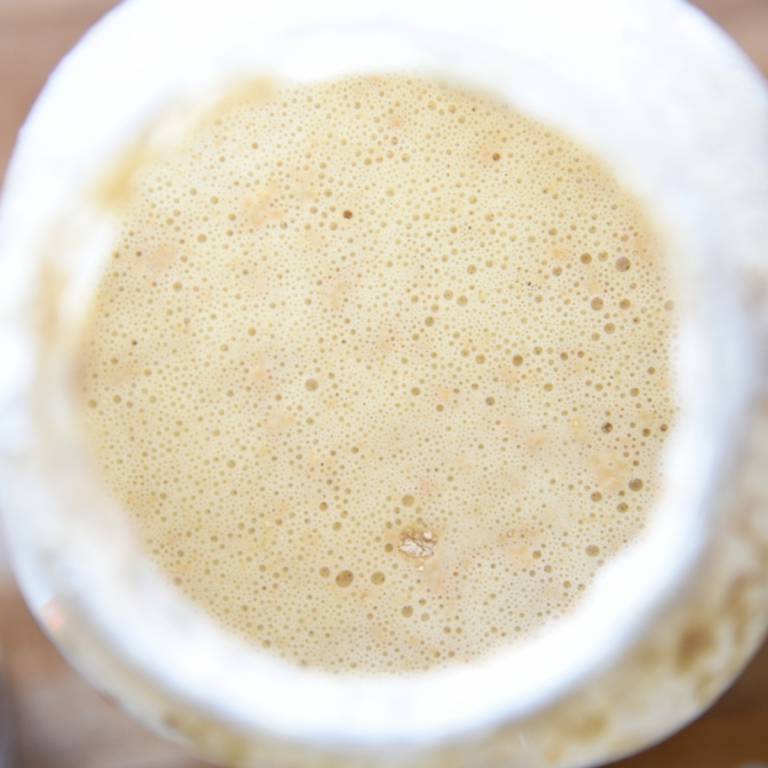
[381,368]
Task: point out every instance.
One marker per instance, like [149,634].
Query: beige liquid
[381,368]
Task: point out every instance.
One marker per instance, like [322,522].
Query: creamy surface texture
[381,369]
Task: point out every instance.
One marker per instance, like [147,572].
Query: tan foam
[381,368]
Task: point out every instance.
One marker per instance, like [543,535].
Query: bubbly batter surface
[381,369]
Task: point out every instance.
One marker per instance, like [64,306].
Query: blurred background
[55,718]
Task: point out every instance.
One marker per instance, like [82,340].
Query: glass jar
[680,116]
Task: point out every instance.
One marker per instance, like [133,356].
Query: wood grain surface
[59,721]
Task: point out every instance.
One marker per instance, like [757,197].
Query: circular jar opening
[92,562]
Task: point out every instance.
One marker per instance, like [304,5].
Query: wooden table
[60,721]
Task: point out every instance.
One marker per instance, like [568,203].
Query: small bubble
[596,496]
[586,258]
[597,304]
[408,500]
[607,427]
[622,506]
[517,360]
[593,551]
[415,391]
[407,611]
[325,572]
[635,484]
[311,385]
[496,156]
[344,578]
[480,359]
[669,305]
[347,214]
[622,264]
[201,238]
[177,286]
[490,400]
[378,578]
